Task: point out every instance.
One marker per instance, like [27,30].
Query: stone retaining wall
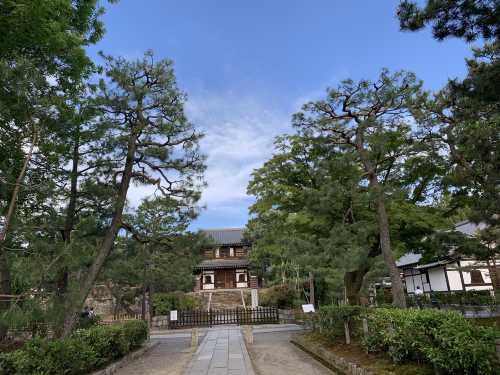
[160,321]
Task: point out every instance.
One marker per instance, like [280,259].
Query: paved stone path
[222,352]
[170,357]
[273,354]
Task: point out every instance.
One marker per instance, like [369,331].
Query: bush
[330,320]
[443,338]
[162,303]
[470,297]
[280,296]
[85,322]
[84,351]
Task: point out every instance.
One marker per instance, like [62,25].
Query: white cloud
[239,138]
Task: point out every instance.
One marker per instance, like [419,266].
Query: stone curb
[331,360]
[112,368]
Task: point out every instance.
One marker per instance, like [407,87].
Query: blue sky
[248,65]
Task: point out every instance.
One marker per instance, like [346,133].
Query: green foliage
[280,296]
[469,297]
[459,18]
[84,351]
[49,357]
[86,322]
[445,339]
[162,303]
[329,320]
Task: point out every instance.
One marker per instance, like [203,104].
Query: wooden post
[347,333]
[311,289]
[194,339]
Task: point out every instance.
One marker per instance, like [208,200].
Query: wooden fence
[200,318]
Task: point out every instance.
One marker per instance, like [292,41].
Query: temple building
[225,263]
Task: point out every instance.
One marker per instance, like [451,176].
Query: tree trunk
[62,279]
[398,294]
[108,241]
[397,288]
[353,281]
[5,274]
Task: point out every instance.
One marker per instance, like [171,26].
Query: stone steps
[227,299]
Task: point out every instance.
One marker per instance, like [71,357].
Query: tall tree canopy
[468,19]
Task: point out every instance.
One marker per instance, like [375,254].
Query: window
[208,279]
[476,277]
[242,278]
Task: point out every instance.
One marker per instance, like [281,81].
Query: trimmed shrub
[162,303]
[463,298]
[330,320]
[84,351]
[280,296]
[443,338]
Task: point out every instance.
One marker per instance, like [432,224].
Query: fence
[199,318]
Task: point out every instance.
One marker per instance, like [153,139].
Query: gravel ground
[170,357]
[273,354]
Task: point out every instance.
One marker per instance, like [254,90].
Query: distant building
[451,273]
[225,263]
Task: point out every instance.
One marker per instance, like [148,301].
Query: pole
[311,289]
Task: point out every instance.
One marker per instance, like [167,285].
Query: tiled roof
[222,263]
[408,259]
[228,236]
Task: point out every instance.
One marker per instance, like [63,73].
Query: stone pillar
[255,298]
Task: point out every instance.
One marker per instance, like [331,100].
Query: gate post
[248,330]
[194,339]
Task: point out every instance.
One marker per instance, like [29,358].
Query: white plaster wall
[473,263]
[437,279]
[454,280]
[241,285]
[486,275]
[208,286]
[482,287]
[409,284]
[417,281]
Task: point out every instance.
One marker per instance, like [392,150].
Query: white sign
[173,315]
[309,308]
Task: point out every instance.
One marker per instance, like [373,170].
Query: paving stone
[222,352]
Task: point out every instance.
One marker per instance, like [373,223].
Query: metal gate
[199,318]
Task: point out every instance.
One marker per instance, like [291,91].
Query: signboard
[173,315]
[308,308]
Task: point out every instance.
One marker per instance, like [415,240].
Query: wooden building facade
[452,273]
[225,263]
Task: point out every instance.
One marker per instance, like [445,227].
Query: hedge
[469,297]
[444,339]
[162,303]
[330,320]
[280,296]
[84,351]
